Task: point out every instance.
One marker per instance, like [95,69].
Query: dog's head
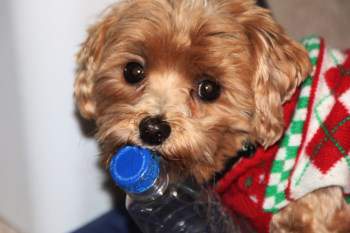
[190,79]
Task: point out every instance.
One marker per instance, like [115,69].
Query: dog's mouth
[151,148]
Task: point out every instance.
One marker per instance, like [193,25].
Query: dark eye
[208,90]
[133,72]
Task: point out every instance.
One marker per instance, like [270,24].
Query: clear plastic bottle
[159,206]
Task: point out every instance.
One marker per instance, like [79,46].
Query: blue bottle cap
[134,169]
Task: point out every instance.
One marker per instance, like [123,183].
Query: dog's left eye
[134,72]
[208,90]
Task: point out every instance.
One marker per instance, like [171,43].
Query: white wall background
[49,178]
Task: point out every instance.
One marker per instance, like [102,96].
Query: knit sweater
[314,151]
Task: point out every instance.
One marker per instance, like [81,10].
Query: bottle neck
[157,189]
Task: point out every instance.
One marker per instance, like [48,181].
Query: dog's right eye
[133,72]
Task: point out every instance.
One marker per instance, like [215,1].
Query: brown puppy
[194,80]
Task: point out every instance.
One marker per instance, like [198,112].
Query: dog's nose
[154,130]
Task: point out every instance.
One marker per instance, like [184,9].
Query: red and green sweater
[314,151]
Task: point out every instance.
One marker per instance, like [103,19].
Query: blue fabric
[114,221]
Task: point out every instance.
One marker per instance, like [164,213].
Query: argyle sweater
[314,151]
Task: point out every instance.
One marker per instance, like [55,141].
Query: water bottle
[159,206]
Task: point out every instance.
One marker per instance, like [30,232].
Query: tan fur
[179,41]
[323,211]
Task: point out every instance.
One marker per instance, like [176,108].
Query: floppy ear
[280,65]
[87,60]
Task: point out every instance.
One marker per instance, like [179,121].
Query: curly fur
[178,41]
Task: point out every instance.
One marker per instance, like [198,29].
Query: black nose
[154,130]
